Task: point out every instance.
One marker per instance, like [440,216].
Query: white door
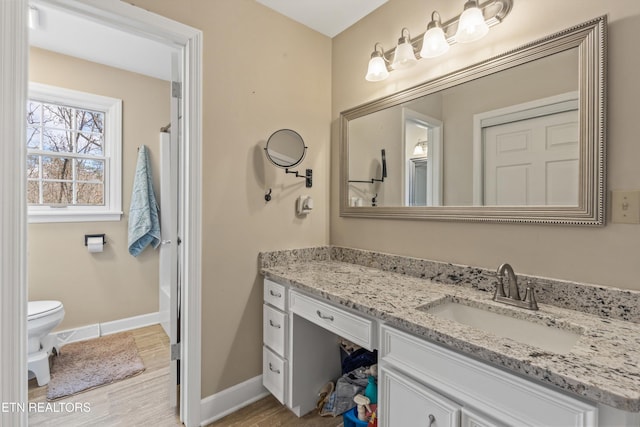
[170,272]
[168,291]
[533,162]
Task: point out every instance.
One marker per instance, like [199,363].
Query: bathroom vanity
[435,369]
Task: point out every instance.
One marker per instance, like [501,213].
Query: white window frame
[112,108]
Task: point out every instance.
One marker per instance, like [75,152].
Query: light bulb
[377,69]
[471,26]
[404,57]
[434,42]
[33,18]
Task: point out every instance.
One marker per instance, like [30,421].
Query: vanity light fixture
[377,67]
[33,18]
[404,56]
[420,148]
[471,25]
[434,42]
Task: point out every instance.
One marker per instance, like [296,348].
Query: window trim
[112,107]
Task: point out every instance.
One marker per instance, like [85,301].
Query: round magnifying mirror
[285,148]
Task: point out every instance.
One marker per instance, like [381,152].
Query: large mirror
[516,138]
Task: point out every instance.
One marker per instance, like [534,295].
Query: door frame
[13,249]
[435,157]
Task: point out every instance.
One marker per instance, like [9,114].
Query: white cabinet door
[404,402]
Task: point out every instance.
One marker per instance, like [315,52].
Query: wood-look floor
[144,399]
[268,412]
[139,401]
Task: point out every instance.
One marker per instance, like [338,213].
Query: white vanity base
[417,378]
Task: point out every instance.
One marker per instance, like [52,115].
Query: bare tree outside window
[65,155]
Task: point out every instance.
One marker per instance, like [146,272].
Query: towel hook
[267,197]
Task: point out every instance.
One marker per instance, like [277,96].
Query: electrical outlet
[625,207]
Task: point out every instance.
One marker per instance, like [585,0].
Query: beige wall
[262,72]
[110,285]
[607,255]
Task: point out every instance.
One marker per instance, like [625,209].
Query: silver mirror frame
[590,40]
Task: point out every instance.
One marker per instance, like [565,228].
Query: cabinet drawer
[274,329]
[275,294]
[274,371]
[345,324]
[469,418]
[405,402]
[507,397]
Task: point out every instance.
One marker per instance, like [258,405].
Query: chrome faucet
[529,300]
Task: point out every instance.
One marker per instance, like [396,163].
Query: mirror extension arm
[308,176]
[384,171]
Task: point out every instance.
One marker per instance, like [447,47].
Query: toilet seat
[38,309]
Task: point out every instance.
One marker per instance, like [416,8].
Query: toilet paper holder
[88,236]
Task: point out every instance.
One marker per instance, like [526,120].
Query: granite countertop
[602,366]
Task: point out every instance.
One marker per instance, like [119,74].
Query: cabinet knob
[432,420]
[322,316]
[275,325]
[275,294]
[272,369]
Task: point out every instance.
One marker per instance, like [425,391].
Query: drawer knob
[277,371]
[432,420]
[275,325]
[275,294]
[324,317]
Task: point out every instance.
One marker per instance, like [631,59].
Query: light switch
[625,207]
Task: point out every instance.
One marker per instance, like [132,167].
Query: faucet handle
[530,297]
[499,289]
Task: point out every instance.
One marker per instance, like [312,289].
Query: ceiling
[61,31]
[329,17]
[69,34]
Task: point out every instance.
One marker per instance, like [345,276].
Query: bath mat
[85,365]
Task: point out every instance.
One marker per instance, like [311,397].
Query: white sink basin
[538,335]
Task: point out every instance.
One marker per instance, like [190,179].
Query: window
[74,145]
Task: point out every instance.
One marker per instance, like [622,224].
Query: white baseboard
[221,404]
[78,334]
[107,328]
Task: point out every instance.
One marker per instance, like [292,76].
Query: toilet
[42,317]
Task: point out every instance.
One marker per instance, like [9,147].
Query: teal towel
[144,224]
